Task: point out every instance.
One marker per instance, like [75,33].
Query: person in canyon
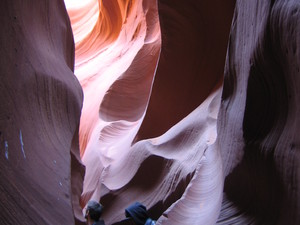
[138,212]
[93,213]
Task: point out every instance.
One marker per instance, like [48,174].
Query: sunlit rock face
[160,122]
[169,157]
[40,108]
[151,73]
[115,64]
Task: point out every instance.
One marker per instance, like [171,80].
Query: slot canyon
[187,106]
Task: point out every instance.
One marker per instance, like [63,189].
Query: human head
[93,210]
[137,212]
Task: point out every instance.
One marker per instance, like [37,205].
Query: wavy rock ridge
[121,73]
[258,122]
[159,122]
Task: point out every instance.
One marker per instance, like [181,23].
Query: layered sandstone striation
[152,110]
[258,123]
[40,108]
[140,78]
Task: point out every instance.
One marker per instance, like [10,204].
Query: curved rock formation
[160,123]
[171,173]
[252,124]
[194,43]
[40,108]
[116,81]
[118,56]
[120,73]
[258,122]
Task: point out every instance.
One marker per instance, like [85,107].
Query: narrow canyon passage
[189,107]
[120,55]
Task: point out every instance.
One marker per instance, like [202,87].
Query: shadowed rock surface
[194,43]
[167,119]
[258,121]
[40,108]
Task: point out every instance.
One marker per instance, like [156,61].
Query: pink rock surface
[40,108]
[117,74]
[153,117]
